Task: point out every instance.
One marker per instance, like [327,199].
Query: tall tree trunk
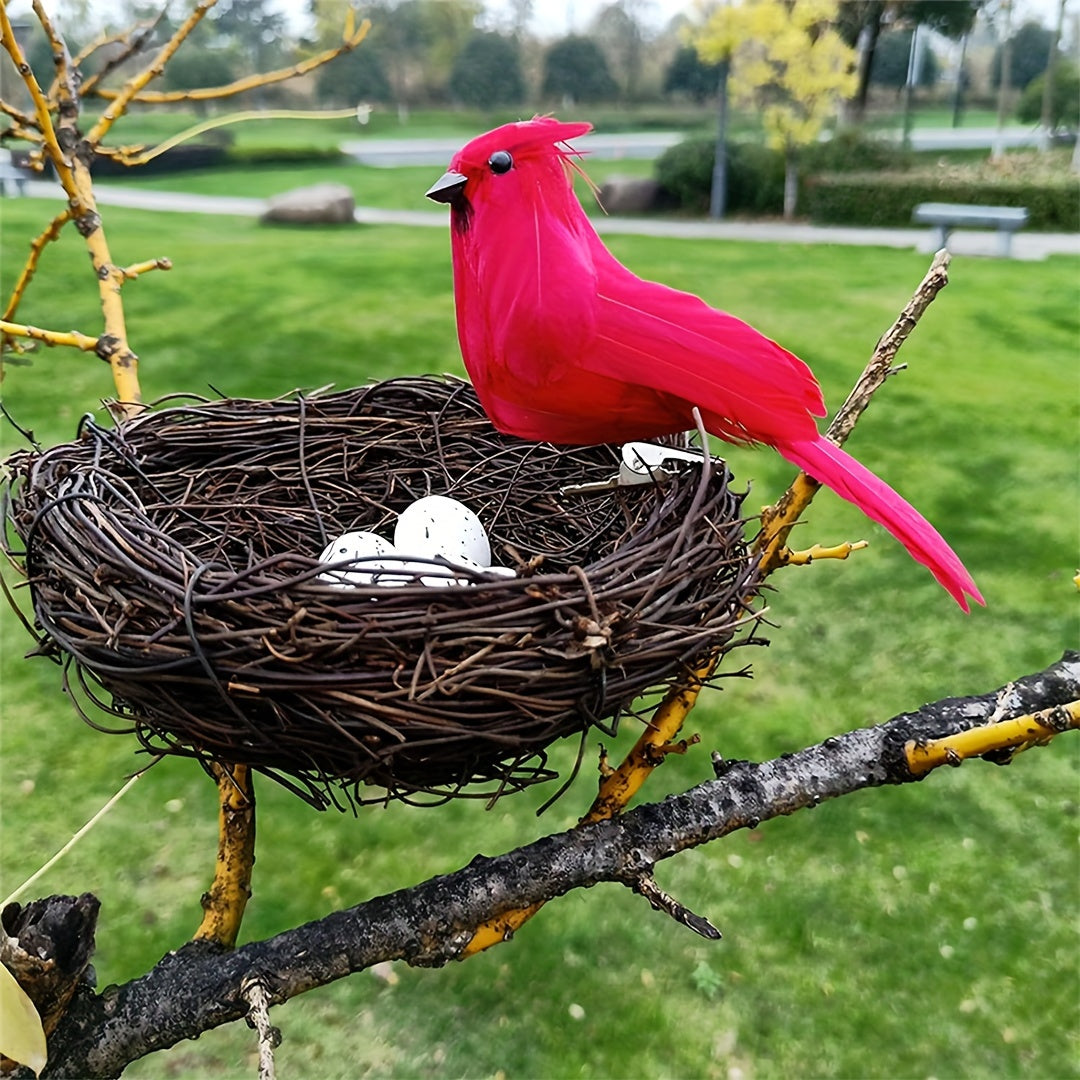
[868,39]
[791,182]
[718,194]
[1047,119]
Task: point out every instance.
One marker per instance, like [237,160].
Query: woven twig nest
[175,562]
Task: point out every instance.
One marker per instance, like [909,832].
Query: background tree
[1030,47]
[792,64]
[487,72]
[252,28]
[416,42]
[204,66]
[861,24]
[690,76]
[356,77]
[1064,103]
[618,31]
[576,70]
[891,57]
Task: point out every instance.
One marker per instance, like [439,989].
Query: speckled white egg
[438,525]
[400,571]
[501,571]
[368,546]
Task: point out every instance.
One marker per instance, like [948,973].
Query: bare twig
[71,338]
[134,41]
[50,233]
[778,520]
[352,37]
[121,99]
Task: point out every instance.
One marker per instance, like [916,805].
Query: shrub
[888,199]
[282,155]
[1065,101]
[756,173]
[850,150]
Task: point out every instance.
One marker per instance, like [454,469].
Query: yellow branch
[123,98]
[1034,729]
[816,551]
[49,337]
[135,156]
[50,233]
[16,114]
[224,904]
[130,273]
[42,118]
[249,82]
[74,175]
[132,39]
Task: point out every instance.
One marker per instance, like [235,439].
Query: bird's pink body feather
[564,344]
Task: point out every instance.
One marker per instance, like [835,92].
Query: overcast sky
[554,18]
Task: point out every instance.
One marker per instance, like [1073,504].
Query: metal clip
[642,463]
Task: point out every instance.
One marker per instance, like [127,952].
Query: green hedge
[282,155]
[755,176]
[756,173]
[887,199]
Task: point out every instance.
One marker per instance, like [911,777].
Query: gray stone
[319,204]
[628,194]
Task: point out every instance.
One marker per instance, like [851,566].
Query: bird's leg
[224,903]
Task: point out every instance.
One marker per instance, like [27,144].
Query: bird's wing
[748,387]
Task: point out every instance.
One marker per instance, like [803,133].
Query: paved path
[1026,245]
[390,153]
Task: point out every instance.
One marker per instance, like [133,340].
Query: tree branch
[353,35]
[202,985]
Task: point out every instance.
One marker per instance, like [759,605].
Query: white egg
[395,573]
[501,571]
[366,546]
[437,525]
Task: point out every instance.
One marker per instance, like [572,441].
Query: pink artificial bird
[566,345]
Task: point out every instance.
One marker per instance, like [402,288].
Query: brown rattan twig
[175,561]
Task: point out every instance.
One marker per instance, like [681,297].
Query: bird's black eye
[500,162]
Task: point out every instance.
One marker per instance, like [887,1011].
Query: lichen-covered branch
[203,985]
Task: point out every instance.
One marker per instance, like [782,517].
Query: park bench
[945,217]
[11,176]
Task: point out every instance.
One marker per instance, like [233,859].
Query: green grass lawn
[922,931]
[151,125]
[400,188]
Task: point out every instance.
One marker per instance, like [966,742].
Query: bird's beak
[447,188]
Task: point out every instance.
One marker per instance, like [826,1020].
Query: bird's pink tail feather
[826,462]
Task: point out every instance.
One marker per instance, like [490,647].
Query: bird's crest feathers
[539,137]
